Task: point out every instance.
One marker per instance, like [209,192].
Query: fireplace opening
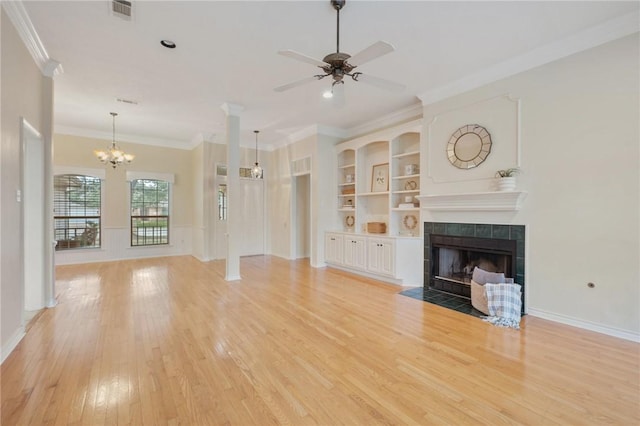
[454,258]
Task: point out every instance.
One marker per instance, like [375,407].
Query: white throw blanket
[504,302]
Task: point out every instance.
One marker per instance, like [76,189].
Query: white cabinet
[334,245]
[381,256]
[355,252]
[397,255]
[397,260]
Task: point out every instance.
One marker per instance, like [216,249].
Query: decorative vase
[506,183]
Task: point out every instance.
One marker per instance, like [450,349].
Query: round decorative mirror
[469,146]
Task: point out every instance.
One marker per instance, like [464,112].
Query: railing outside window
[149,212]
[76,206]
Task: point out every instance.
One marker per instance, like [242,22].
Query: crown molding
[597,35]
[108,136]
[20,18]
[316,129]
[204,137]
[405,114]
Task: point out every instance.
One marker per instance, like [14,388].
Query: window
[222,202]
[76,206]
[149,212]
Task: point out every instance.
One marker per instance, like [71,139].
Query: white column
[50,69]
[234,204]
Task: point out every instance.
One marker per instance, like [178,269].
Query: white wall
[320,148]
[279,197]
[580,161]
[22,96]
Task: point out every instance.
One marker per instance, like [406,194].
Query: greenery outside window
[149,212]
[76,207]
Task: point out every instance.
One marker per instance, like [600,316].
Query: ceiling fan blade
[300,57]
[295,84]
[372,52]
[381,83]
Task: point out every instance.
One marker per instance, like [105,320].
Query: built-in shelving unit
[389,198]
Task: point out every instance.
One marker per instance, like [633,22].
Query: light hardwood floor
[168,341]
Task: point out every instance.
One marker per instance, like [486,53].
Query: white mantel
[478,201]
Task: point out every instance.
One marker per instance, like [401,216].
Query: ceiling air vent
[121,8]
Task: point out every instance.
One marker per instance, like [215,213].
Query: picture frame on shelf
[380,177]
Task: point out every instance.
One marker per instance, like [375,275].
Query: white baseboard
[11,344]
[201,258]
[587,325]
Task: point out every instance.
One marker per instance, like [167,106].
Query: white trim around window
[167,177]
[83,171]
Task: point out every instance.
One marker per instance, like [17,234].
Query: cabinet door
[373,263]
[387,257]
[333,248]
[355,252]
[381,259]
[360,258]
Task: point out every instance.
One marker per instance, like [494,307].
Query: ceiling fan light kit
[339,65]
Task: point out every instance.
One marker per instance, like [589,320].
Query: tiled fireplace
[452,250]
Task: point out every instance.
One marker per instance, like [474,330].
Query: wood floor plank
[168,341]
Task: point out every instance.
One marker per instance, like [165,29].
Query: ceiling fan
[339,65]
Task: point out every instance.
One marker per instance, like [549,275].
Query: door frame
[293,234]
[37,278]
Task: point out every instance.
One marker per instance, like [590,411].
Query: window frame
[85,173]
[131,178]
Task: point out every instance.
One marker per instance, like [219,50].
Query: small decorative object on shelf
[410,169]
[348,191]
[349,221]
[410,222]
[348,204]
[410,185]
[348,178]
[376,227]
[507,179]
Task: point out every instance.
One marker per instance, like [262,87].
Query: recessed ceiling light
[328,94]
[168,44]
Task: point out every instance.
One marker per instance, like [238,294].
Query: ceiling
[227,53]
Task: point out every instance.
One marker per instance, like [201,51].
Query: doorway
[33,220]
[301,216]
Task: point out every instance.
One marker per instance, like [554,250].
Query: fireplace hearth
[453,250]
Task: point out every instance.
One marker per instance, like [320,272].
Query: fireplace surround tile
[500,231]
[479,230]
[467,230]
[439,228]
[483,231]
[517,232]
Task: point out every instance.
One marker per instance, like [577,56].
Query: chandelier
[114,155]
[256,170]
